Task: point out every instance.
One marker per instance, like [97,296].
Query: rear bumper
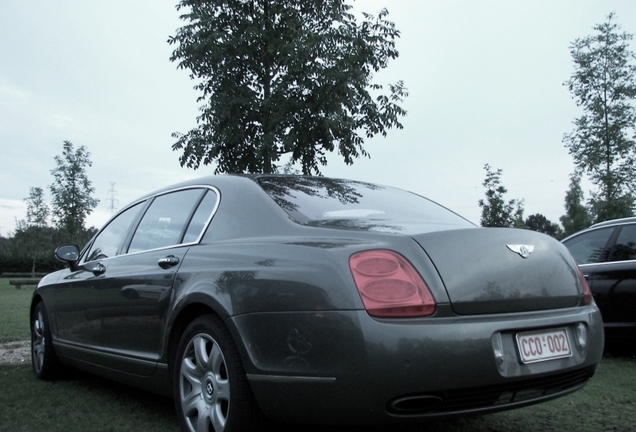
[345,367]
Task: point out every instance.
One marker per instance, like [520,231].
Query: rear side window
[589,247]
[165,221]
[200,218]
[625,248]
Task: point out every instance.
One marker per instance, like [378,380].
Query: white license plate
[543,345]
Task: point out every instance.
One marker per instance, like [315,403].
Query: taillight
[587,293]
[389,286]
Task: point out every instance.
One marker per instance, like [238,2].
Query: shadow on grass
[78,402]
[83,402]
[620,348]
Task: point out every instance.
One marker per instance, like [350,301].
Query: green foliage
[32,236]
[284,77]
[577,216]
[538,222]
[495,210]
[31,246]
[25,263]
[602,143]
[71,191]
[37,209]
[35,242]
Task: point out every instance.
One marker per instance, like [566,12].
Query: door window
[200,218]
[625,248]
[165,221]
[589,247]
[110,239]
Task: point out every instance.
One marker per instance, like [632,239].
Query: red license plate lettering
[543,345]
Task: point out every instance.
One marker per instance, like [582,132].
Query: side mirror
[68,254]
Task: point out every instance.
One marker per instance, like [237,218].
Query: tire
[211,390]
[44,361]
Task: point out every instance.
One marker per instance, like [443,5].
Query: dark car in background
[606,253]
[315,300]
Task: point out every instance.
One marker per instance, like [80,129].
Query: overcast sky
[485,80]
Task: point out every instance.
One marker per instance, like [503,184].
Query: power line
[112,193]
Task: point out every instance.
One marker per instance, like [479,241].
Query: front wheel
[45,363]
[210,386]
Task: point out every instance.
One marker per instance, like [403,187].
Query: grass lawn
[14,311]
[84,402]
[80,403]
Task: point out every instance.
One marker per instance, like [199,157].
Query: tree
[37,209]
[284,77]
[602,143]
[71,192]
[32,243]
[32,236]
[577,216]
[495,211]
[538,222]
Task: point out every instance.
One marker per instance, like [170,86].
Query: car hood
[486,270]
[52,278]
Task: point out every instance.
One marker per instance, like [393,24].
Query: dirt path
[17,352]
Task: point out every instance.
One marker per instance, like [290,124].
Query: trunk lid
[484,271]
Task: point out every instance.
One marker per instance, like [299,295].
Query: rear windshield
[321,201]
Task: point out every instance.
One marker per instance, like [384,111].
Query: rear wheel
[45,363]
[210,386]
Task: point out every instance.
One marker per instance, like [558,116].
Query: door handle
[167,262]
[96,268]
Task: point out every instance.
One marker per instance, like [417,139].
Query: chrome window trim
[205,225]
[605,263]
[152,197]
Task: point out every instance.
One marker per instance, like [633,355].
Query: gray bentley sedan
[259,298]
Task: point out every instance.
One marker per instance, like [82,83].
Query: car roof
[615,222]
[607,223]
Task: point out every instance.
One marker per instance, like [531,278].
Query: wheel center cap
[209,387]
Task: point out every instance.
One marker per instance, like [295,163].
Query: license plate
[543,345]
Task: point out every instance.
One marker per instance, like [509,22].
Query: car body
[606,253]
[316,300]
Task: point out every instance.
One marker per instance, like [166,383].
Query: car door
[77,297]
[615,279]
[137,289]
[134,300]
[590,249]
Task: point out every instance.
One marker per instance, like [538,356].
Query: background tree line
[602,143]
[47,226]
[295,80]
[282,78]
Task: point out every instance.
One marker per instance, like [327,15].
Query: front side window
[164,222]
[110,239]
[589,247]
[625,248]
